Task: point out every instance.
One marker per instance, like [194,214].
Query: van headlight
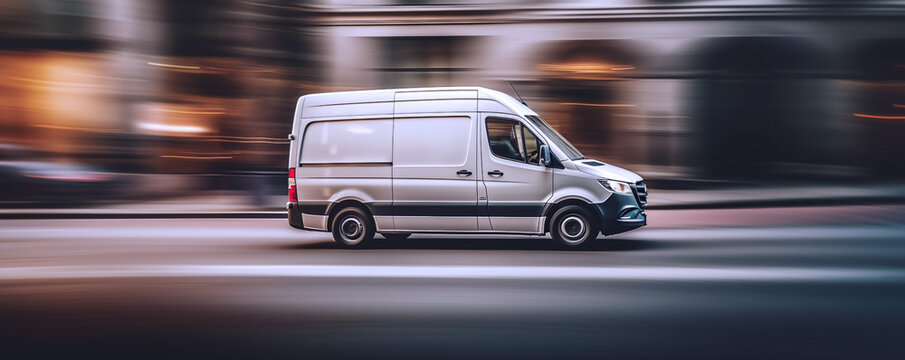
[616,186]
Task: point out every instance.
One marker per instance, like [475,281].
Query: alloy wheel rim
[351,229]
[572,228]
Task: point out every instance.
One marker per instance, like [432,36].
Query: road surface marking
[458,272]
[283,231]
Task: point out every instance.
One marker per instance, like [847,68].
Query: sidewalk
[234,204]
[216,204]
[776,196]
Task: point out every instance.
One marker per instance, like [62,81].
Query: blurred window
[510,140]
[421,61]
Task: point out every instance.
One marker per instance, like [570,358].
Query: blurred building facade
[154,87]
[745,90]
[732,89]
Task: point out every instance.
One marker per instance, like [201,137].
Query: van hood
[606,171]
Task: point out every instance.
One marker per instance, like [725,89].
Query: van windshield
[556,138]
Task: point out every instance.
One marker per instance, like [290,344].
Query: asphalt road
[773,284]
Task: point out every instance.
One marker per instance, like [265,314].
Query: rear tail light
[293,195]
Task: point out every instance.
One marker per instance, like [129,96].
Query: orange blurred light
[174,66]
[880,117]
[586,67]
[196,157]
[76,128]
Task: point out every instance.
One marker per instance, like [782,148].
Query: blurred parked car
[27,175]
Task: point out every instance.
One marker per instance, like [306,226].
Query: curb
[748,204]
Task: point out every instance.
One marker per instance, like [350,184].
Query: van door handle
[496,173]
[463,173]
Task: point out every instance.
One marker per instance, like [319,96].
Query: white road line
[283,231]
[457,272]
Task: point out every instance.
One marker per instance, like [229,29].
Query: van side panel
[345,160]
[433,141]
[322,187]
[435,160]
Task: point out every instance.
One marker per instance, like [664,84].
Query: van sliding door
[435,161]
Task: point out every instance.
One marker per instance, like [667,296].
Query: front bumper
[621,213]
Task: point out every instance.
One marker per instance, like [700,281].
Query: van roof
[386,95]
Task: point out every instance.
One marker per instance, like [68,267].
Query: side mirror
[545,157]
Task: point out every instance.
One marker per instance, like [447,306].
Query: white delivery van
[447,160]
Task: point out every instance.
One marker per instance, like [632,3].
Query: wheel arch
[342,204]
[559,204]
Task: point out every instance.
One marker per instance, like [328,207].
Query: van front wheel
[352,227]
[572,226]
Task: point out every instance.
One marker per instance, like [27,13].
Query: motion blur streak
[881,117]
[460,272]
[724,93]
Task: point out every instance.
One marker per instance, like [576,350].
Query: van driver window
[505,139]
[510,140]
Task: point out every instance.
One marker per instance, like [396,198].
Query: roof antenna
[517,94]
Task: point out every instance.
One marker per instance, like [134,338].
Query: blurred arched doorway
[586,81]
[755,103]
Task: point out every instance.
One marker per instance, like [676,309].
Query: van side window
[510,140]
[348,141]
[505,138]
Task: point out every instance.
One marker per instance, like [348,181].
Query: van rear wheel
[573,226]
[352,227]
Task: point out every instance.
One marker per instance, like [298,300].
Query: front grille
[641,193]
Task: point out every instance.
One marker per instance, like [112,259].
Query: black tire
[573,226]
[396,236]
[352,228]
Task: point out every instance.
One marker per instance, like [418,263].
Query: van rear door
[435,161]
